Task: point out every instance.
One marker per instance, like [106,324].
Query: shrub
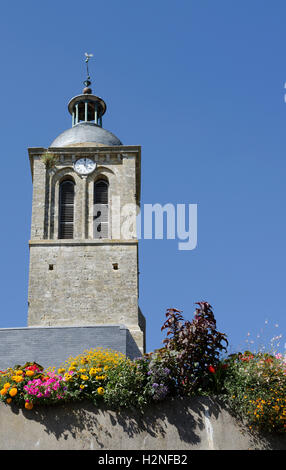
[161,375]
[126,386]
[196,346]
[255,388]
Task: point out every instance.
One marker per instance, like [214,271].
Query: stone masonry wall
[84,281]
[76,284]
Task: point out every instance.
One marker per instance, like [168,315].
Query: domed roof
[86,133]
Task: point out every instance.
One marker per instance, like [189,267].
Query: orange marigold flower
[28,405]
[29,373]
[13,392]
[17,378]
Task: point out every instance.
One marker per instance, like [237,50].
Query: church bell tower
[86,188]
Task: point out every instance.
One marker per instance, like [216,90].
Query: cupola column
[76,113]
[95,114]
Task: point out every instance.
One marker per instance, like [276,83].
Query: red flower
[211,369]
[246,358]
[34,367]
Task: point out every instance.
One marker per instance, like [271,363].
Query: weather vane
[87,82]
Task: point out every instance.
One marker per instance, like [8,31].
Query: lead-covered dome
[87,133]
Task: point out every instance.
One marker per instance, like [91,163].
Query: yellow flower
[61,370]
[18,378]
[30,373]
[13,392]
[68,377]
[99,360]
[3,391]
[84,377]
[19,372]
[100,390]
[7,385]
[82,387]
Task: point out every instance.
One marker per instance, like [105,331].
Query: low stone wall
[177,424]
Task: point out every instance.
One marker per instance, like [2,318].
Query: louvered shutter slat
[66,214]
[66,231]
[100,193]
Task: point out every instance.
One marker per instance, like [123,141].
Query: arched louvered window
[100,209]
[66,209]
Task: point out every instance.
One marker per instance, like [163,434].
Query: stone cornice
[87,242]
[85,150]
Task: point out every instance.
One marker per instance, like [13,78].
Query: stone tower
[83,262]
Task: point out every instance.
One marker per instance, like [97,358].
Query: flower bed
[78,378]
[255,385]
[189,364]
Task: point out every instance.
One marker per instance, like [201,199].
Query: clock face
[84,166]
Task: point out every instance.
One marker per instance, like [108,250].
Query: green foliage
[255,388]
[126,386]
[49,159]
[161,374]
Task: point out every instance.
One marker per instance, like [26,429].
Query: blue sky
[200,86]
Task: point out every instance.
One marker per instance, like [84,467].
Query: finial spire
[87,107]
[87,82]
